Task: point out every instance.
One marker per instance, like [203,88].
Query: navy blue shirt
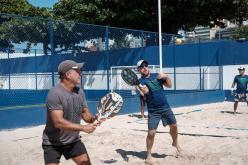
[155,98]
[241,82]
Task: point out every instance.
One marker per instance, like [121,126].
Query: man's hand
[232,91]
[138,89]
[144,89]
[99,121]
[89,128]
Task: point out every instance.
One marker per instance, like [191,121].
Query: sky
[43,3]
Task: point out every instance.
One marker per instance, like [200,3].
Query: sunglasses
[142,66]
[77,70]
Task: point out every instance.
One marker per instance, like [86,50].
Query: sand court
[209,134]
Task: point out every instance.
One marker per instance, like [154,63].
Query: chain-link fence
[56,36]
[31,47]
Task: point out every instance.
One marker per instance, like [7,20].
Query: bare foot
[148,161]
[185,155]
[179,151]
[177,147]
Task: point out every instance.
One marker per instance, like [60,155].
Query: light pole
[160,36]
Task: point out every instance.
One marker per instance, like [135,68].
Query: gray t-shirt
[71,103]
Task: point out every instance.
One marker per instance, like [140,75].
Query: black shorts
[166,115]
[52,154]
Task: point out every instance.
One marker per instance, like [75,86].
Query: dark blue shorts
[166,115]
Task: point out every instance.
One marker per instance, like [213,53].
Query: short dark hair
[61,76]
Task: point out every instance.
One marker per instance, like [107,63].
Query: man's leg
[174,133]
[153,121]
[52,154]
[235,107]
[246,98]
[168,117]
[142,111]
[149,143]
[78,154]
[82,159]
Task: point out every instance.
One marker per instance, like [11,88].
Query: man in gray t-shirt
[66,106]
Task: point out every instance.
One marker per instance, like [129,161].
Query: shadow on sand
[193,134]
[231,112]
[137,116]
[142,154]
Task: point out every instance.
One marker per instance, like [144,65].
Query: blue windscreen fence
[31,49]
[188,55]
[41,71]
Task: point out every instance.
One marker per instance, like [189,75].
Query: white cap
[140,62]
[241,68]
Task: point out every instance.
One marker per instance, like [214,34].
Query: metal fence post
[219,33]
[9,68]
[203,78]
[52,49]
[220,66]
[199,57]
[142,38]
[107,54]
[174,59]
[35,65]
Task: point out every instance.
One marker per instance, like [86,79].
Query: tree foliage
[13,29]
[22,7]
[241,32]
[241,13]
[133,14]
[66,35]
[139,14]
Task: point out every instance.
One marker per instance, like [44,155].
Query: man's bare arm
[142,106]
[87,116]
[60,122]
[142,89]
[168,83]
[167,79]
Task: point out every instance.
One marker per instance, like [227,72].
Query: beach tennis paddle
[130,77]
[109,105]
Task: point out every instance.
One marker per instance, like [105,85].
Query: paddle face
[109,105]
[129,77]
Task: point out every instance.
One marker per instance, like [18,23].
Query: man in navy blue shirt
[152,94]
[240,94]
